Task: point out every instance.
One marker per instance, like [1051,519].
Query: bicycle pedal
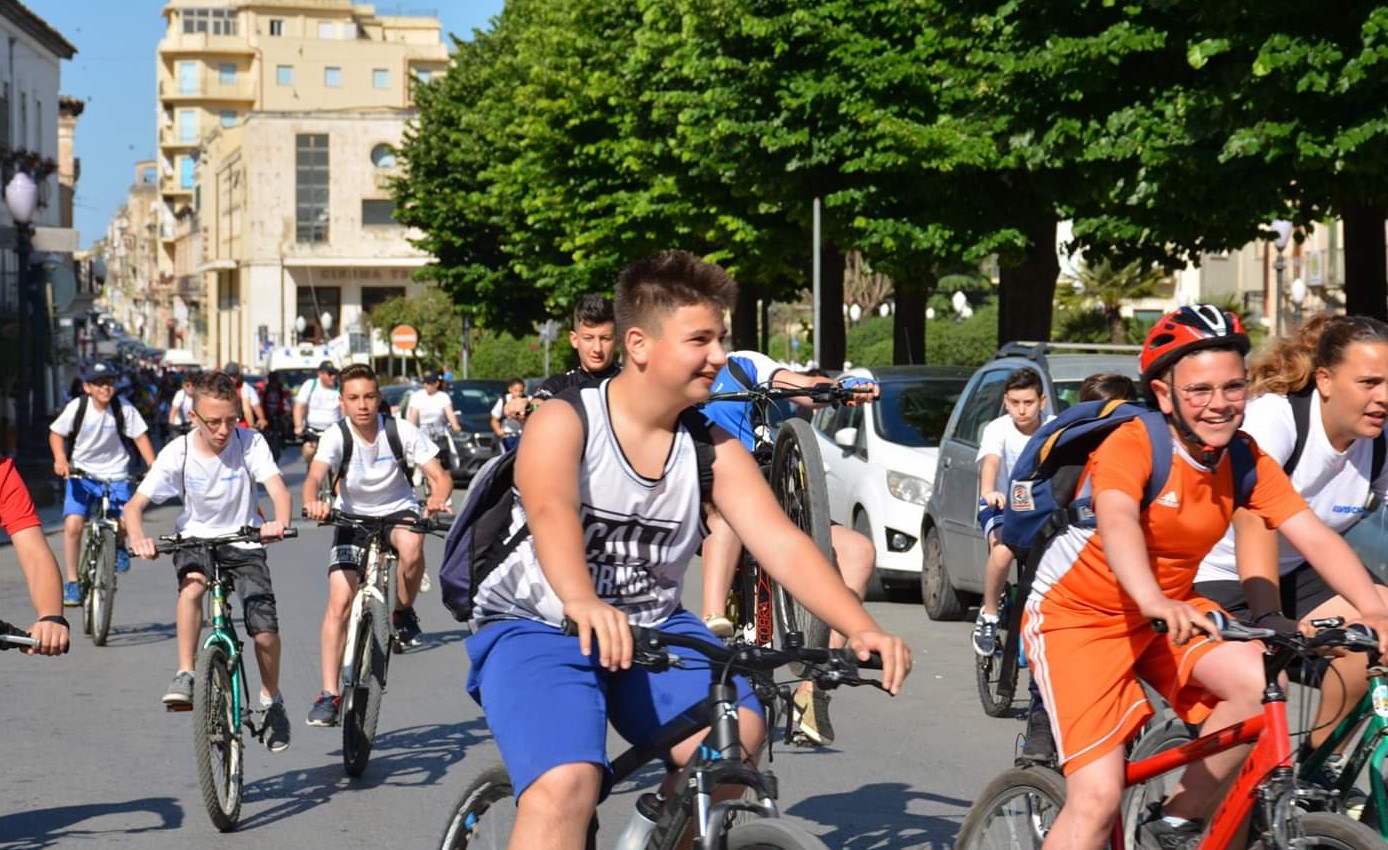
[171,707]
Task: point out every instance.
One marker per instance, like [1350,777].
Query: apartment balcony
[182,43]
[207,86]
[170,139]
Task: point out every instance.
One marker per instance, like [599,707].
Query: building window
[383,156]
[276,26]
[332,77]
[228,117]
[325,29]
[312,302]
[226,73]
[423,75]
[380,78]
[284,75]
[213,21]
[187,125]
[377,213]
[374,296]
[311,189]
[187,78]
[185,171]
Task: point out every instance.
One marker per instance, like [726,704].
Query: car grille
[485,441]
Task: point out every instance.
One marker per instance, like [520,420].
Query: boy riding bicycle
[594,340]
[1088,620]
[99,426]
[854,553]
[316,408]
[609,486]
[214,470]
[374,484]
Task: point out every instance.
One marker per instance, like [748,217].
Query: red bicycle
[1017,808]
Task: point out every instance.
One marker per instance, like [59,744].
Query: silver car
[953,549]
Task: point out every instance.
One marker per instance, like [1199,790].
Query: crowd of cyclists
[612,508]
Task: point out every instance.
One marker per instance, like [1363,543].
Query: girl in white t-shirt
[1339,365]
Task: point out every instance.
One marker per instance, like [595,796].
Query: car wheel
[876,590]
[941,600]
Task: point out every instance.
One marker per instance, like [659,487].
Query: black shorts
[311,436]
[1303,591]
[349,544]
[251,576]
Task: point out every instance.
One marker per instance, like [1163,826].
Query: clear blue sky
[114,72]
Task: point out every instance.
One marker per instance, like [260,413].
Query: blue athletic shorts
[81,491]
[547,705]
[989,519]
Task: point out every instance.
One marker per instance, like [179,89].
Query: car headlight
[907,488]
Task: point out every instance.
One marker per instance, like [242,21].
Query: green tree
[1101,284]
[433,317]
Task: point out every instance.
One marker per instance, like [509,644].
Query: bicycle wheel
[797,479]
[477,821]
[997,673]
[1330,831]
[1015,811]
[771,834]
[361,701]
[217,738]
[86,558]
[1165,736]
[103,590]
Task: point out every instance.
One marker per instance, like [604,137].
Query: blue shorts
[990,520]
[80,493]
[547,705]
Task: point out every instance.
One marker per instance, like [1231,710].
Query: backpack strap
[1380,455]
[397,448]
[1244,468]
[1301,415]
[71,438]
[346,452]
[694,422]
[128,444]
[1159,436]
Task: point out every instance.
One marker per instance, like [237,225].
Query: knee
[192,587]
[1097,807]
[567,793]
[858,555]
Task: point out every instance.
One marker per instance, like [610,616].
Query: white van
[179,358]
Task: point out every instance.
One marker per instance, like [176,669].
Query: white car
[879,462]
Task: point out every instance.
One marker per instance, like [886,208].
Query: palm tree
[1109,287]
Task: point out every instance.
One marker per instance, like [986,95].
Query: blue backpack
[1046,495]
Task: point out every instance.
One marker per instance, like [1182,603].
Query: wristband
[1262,617]
[56,618]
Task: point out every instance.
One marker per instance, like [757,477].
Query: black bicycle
[751,821]
[760,609]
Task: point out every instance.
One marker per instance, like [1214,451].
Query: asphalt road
[89,757]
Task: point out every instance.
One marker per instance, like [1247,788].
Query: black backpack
[1301,415]
[397,450]
[116,411]
[478,541]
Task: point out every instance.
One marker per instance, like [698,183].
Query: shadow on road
[434,640]
[419,755]
[877,817]
[40,828]
[139,635]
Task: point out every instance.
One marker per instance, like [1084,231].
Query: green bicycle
[96,564]
[221,697]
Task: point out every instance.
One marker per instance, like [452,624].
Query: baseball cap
[327,366]
[99,371]
[232,368]
[431,377]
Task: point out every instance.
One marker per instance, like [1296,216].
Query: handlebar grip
[569,628]
[874,661]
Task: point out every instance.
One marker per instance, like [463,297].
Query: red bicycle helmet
[1189,329]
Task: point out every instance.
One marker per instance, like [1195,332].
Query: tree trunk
[908,324]
[745,317]
[1366,278]
[1026,292]
[1117,328]
[832,335]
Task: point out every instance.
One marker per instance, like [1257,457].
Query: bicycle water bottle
[643,818]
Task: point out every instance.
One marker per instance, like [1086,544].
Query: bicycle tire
[84,573]
[1041,792]
[797,479]
[361,703]
[215,733]
[997,673]
[103,589]
[1329,831]
[771,834]
[468,827]
[1165,736]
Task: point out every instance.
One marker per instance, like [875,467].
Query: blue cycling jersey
[735,417]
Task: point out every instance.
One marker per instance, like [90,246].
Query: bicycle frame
[1372,749]
[372,586]
[224,634]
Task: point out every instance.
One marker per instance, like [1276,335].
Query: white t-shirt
[98,449]
[249,394]
[510,427]
[432,408]
[374,485]
[218,493]
[1334,484]
[323,408]
[1001,438]
[182,405]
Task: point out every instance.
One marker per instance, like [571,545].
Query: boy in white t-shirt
[214,470]
[316,408]
[509,414]
[998,451]
[374,485]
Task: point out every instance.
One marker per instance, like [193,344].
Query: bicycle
[221,695]
[96,562]
[366,655]
[1018,807]
[760,609]
[748,822]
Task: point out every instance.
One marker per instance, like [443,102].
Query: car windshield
[914,413]
[473,404]
[1066,394]
[395,392]
[292,378]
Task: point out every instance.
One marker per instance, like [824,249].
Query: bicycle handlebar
[248,534]
[826,393]
[82,475]
[12,636]
[1332,632]
[375,523]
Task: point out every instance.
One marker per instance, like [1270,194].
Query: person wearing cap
[99,426]
[252,413]
[316,408]
[432,410]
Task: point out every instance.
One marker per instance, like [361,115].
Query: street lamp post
[21,198]
[1283,229]
[1298,295]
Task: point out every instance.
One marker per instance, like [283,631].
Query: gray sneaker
[985,636]
[1154,833]
[180,690]
[276,731]
[324,711]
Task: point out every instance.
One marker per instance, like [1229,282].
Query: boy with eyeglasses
[100,428]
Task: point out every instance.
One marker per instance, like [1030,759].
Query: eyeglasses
[1200,395]
[229,423]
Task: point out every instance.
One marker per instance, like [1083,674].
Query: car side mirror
[846,438]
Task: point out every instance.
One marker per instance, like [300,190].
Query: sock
[1173,821]
[988,618]
[266,702]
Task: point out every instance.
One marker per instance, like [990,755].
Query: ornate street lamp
[22,200]
[1283,229]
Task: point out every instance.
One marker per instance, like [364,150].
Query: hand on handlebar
[272,531]
[865,390]
[60,467]
[141,547]
[1183,620]
[317,511]
[437,505]
[1379,624]
[896,656]
[595,619]
[52,638]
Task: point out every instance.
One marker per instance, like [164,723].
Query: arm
[260,422]
[412,415]
[440,486]
[988,479]
[787,378]
[547,478]
[313,480]
[1255,553]
[58,444]
[279,497]
[452,420]
[496,427]
[146,449]
[299,408]
[744,499]
[43,577]
[1329,555]
[247,409]
[135,537]
[173,412]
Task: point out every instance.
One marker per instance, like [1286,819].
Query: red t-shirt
[16,508]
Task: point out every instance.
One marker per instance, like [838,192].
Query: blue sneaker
[122,559]
[72,594]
